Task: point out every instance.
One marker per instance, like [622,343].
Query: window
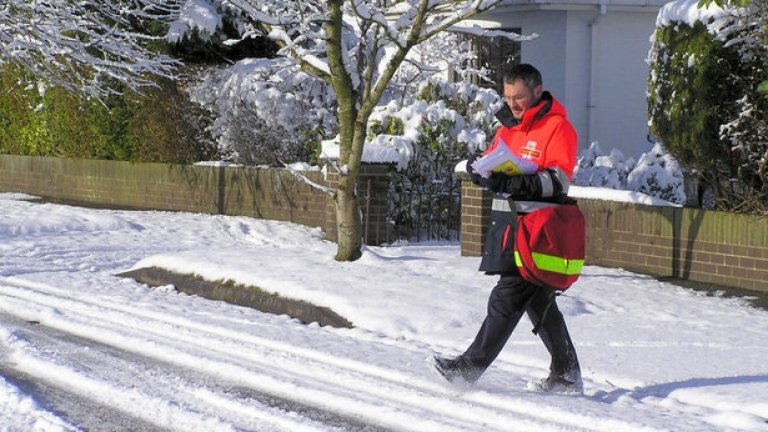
[496,54]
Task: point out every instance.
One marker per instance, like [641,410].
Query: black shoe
[457,370]
[560,384]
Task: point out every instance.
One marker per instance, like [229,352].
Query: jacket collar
[507,119]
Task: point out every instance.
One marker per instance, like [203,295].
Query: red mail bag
[550,246]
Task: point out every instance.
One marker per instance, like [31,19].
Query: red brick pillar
[475,216]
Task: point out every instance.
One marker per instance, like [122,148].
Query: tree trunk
[349,220]
[349,232]
[349,239]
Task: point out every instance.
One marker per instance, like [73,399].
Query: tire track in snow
[364,406]
[292,385]
[85,413]
[342,385]
[362,396]
[89,390]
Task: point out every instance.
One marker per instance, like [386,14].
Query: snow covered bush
[656,173]
[704,104]
[444,123]
[267,111]
[599,170]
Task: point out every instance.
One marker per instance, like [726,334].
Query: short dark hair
[525,73]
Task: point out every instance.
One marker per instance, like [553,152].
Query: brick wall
[261,193]
[715,247]
[691,244]
[119,184]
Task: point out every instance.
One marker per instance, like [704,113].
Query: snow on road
[656,357]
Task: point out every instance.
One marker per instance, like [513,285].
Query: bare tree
[356,46]
[86,46]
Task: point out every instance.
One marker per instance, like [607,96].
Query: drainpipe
[593,75]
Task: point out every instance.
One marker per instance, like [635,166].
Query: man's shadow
[663,390]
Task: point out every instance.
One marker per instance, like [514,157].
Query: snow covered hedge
[704,104]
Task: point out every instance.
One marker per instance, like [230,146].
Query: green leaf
[703,4]
[722,3]
[763,87]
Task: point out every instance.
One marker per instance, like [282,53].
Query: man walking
[534,127]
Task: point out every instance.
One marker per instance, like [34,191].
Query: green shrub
[705,107]
[161,125]
[690,95]
[165,126]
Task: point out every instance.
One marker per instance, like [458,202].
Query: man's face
[520,98]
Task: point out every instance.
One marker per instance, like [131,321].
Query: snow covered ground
[656,357]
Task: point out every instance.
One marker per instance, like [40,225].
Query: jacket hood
[548,105]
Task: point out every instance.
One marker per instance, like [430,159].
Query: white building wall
[621,108]
[577,64]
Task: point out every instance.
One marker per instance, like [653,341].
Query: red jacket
[544,135]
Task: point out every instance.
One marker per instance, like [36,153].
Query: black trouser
[509,299]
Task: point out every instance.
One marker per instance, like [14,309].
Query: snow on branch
[271,19]
[296,173]
[368,26]
[447,14]
[87,46]
[369,14]
[422,20]
[476,30]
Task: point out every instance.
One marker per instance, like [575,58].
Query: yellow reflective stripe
[518,260]
[557,264]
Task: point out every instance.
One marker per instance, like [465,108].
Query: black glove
[476,178]
[496,182]
[502,183]
[468,168]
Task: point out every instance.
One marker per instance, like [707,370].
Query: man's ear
[538,91]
